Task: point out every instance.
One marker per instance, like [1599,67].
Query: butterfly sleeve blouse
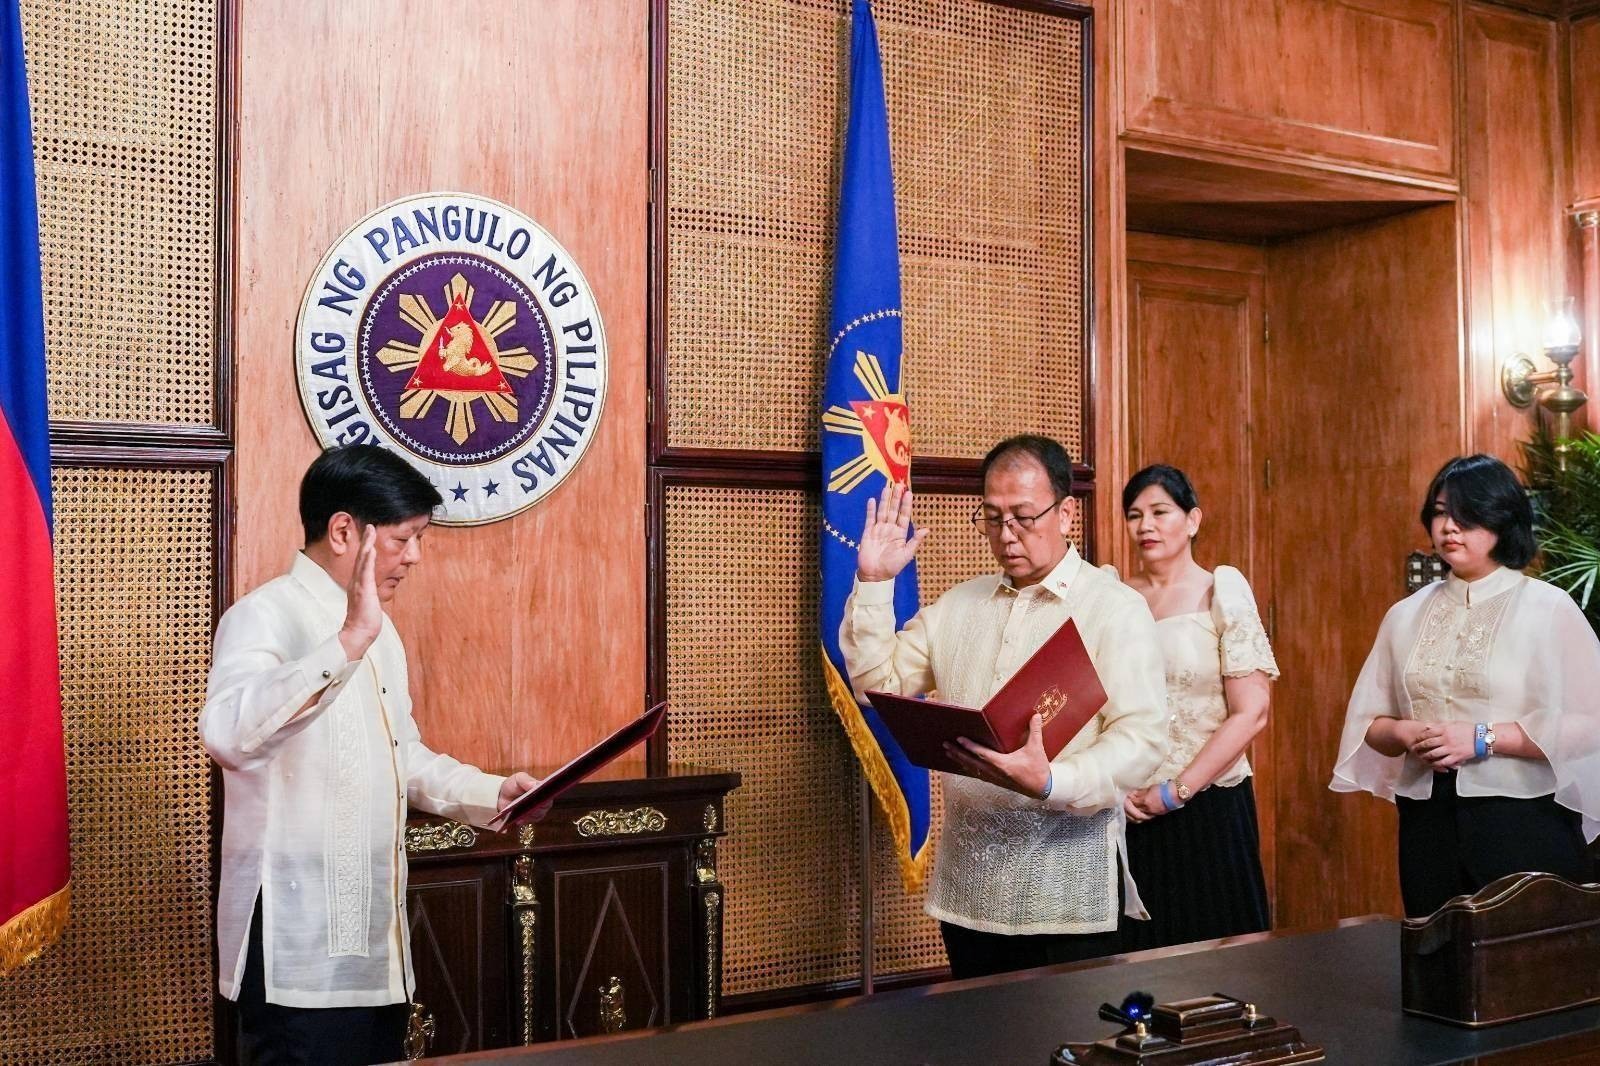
[1504,648]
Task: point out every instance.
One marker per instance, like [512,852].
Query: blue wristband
[1167,799]
[1480,740]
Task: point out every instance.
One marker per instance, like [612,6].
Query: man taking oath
[308,713]
[1027,869]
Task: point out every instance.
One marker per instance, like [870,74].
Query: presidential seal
[458,332]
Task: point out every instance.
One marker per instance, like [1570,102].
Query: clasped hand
[1443,745]
[1143,804]
[516,785]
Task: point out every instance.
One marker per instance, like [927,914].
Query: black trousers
[1452,844]
[976,954]
[274,1035]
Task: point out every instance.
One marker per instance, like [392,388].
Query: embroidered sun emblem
[457,360]
[884,425]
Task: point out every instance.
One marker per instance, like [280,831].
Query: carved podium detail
[605,915]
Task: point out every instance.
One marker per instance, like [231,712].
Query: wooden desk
[606,916]
[1341,987]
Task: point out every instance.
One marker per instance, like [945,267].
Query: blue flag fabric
[866,430]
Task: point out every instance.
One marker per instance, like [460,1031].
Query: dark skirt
[1452,844]
[1198,869]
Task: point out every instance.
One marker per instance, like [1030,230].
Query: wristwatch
[1183,790]
[1488,741]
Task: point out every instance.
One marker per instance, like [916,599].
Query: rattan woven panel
[124,94]
[131,980]
[743,674]
[985,113]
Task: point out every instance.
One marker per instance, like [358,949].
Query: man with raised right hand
[308,712]
[1026,872]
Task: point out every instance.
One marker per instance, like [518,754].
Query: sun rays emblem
[459,332]
[457,360]
[884,425]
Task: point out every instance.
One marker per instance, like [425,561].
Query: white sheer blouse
[1504,648]
[1200,650]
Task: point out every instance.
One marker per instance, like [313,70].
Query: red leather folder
[1058,682]
[527,807]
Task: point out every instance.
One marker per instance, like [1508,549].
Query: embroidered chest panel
[1450,659]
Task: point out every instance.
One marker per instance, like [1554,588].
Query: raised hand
[887,543]
[363,613]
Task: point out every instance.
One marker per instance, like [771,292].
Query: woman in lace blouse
[1193,842]
[1478,709]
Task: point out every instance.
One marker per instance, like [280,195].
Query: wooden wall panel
[1515,190]
[526,636]
[1368,83]
[1109,206]
[1364,398]
[1585,87]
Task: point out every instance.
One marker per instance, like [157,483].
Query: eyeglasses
[991,526]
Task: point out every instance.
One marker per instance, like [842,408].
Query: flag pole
[865,806]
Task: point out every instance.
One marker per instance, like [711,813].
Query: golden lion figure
[456,356]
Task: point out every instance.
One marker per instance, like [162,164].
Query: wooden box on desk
[605,915]
[1524,945]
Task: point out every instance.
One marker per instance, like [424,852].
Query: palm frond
[1566,500]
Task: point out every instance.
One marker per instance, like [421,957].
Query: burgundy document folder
[1058,682]
[526,806]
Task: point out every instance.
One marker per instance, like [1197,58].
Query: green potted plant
[1564,478]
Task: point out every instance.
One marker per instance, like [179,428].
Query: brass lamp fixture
[1521,381]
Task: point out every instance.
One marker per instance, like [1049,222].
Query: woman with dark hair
[1478,709]
[1193,842]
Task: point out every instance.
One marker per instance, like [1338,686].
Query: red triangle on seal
[455,357]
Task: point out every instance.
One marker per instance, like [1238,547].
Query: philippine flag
[34,864]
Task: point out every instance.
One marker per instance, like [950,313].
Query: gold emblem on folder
[1052,701]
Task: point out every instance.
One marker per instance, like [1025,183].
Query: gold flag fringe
[891,801]
[25,936]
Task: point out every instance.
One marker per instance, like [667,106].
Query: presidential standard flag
[34,869]
[866,430]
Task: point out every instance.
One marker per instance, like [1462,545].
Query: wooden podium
[604,916]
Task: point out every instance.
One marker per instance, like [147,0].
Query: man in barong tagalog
[1027,871]
[308,712]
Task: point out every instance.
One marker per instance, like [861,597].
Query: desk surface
[1341,987]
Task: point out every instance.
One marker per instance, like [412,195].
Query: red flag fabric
[34,864]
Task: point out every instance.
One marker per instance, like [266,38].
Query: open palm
[887,543]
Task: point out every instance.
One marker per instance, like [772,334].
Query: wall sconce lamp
[1521,381]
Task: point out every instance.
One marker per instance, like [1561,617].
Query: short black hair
[1050,454]
[1170,479]
[1481,492]
[370,483]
